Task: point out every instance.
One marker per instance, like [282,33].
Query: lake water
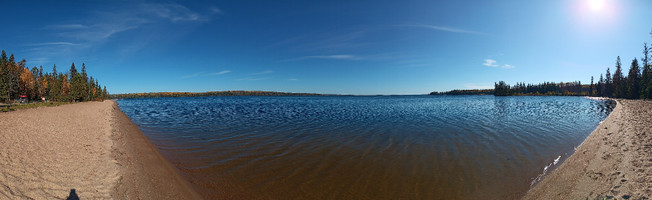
[380,147]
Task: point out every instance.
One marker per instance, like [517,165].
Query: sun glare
[596,5]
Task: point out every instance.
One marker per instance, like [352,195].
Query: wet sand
[614,162]
[87,150]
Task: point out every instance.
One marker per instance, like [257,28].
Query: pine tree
[608,84]
[55,85]
[591,87]
[105,94]
[84,83]
[646,76]
[76,84]
[619,83]
[600,88]
[634,81]
[4,80]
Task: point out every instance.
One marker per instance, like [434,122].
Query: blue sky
[334,47]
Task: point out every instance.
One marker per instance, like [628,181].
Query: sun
[596,5]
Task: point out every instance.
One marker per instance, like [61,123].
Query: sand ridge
[614,162]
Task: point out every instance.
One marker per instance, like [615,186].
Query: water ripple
[414,147]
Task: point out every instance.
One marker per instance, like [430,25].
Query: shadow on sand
[72,195]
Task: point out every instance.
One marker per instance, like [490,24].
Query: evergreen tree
[600,88]
[55,85]
[608,85]
[76,85]
[634,81]
[619,83]
[646,76]
[91,89]
[13,77]
[84,83]
[4,80]
[105,94]
[591,87]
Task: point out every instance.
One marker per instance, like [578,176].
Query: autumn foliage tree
[16,79]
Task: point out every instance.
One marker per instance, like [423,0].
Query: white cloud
[490,63]
[493,63]
[293,79]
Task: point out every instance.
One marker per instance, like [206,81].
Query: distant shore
[87,150]
[613,162]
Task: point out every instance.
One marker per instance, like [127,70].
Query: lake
[365,147]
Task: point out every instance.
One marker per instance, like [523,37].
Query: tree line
[206,94]
[18,80]
[636,84]
[466,92]
[574,88]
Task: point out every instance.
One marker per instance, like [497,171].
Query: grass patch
[8,108]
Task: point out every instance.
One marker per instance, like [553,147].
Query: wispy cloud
[253,79]
[494,63]
[215,10]
[332,57]
[220,73]
[96,27]
[53,44]
[175,12]
[263,72]
[293,79]
[444,28]
[506,66]
[198,74]
[337,57]
[65,26]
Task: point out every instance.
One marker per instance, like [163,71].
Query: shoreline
[147,174]
[87,150]
[612,162]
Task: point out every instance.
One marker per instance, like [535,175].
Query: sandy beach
[614,162]
[87,150]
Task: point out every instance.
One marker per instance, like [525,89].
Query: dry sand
[90,148]
[614,162]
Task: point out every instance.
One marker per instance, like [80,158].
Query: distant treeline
[466,92]
[636,84]
[17,80]
[543,89]
[207,94]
